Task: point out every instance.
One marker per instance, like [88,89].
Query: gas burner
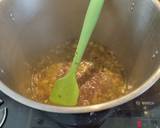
[3,114]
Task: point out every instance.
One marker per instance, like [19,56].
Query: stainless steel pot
[28,28]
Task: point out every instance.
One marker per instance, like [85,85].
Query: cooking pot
[29,28]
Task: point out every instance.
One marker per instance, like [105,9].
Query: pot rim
[85,109]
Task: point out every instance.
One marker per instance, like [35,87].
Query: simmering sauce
[100,75]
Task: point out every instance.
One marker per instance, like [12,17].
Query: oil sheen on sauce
[100,75]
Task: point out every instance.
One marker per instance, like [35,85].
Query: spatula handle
[90,21]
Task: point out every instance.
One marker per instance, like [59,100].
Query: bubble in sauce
[12,16]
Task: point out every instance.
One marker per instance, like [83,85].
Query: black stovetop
[143,112]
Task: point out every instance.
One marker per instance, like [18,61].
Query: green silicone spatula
[66,91]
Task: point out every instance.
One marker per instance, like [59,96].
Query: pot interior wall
[29,28]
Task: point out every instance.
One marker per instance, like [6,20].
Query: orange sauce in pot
[100,75]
